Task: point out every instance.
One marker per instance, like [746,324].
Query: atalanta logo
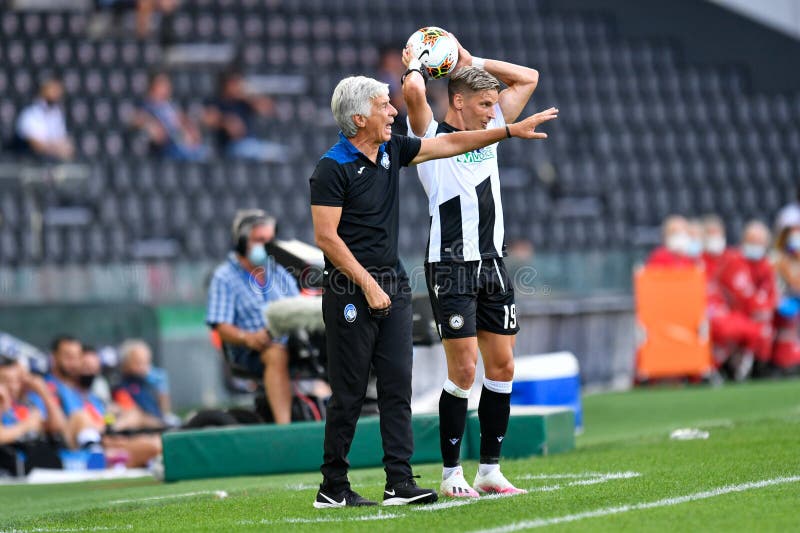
[385,161]
[350,313]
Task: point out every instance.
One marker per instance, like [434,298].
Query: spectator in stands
[231,115]
[141,384]
[390,70]
[675,242]
[171,132]
[240,289]
[747,281]
[144,11]
[41,129]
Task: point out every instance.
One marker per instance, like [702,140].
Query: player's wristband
[479,62]
[410,70]
[508,132]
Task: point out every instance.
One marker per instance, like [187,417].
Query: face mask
[678,243]
[694,248]
[257,255]
[793,242]
[753,252]
[715,244]
[86,380]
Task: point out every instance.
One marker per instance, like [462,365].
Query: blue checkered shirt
[235,297]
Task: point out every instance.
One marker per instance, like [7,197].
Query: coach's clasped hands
[526,129]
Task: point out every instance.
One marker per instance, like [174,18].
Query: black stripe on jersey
[428,244]
[485,216]
[452,232]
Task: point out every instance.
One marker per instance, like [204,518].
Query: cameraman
[241,288]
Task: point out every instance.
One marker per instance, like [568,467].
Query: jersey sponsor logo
[350,313]
[385,160]
[477,156]
[456,321]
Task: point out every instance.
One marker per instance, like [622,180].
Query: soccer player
[470,290]
[366,303]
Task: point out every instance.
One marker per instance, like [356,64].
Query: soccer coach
[366,303]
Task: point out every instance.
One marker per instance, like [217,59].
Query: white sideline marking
[460,502]
[583,475]
[69,530]
[264,521]
[218,493]
[301,486]
[666,502]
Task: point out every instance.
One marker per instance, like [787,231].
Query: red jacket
[661,257]
[748,286]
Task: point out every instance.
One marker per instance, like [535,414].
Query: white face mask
[715,244]
[753,252]
[678,243]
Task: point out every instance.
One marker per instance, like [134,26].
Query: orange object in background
[671,311]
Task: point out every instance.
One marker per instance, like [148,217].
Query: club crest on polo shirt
[350,313]
[456,321]
[385,161]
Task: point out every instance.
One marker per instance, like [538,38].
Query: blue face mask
[257,255]
[753,252]
[694,248]
[793,242]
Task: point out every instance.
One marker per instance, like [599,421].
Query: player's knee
[501,371]
[463,374]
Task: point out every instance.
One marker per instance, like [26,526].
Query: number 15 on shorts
[510,320]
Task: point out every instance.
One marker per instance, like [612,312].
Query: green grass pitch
[626,474]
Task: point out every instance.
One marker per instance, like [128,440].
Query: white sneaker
[456,486]
[495,483]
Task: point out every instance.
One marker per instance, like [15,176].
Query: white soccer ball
[436,49]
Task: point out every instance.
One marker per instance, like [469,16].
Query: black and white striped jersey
[466,214]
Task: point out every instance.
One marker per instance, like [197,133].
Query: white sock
[448,471]
[88,436]
[485,470]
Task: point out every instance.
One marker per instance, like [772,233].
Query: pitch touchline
[583,475]
[666,502]
[218,493]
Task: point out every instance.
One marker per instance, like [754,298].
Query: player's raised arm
[414,93]
[465,141]
[521,81]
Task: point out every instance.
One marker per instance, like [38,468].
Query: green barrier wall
[270,449]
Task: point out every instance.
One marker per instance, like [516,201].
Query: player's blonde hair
[353,96]
[471,79]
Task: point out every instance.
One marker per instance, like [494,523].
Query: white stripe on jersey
[444,180]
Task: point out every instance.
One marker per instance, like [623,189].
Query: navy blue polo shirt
[368,194]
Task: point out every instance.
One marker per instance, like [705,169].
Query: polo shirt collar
[355,152]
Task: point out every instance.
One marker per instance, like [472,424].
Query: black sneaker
[343,498]
[407,492]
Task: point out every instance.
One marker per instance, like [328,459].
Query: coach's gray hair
[472,79]
[353,96]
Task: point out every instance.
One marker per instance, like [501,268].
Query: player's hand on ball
[407,55]
[464,57]
[526,129]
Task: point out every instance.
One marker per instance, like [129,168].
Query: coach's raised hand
[526,129]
